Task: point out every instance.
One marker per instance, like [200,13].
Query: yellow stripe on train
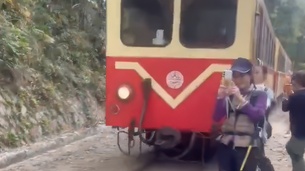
[173,102]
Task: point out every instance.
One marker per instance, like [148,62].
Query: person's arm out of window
[256,112]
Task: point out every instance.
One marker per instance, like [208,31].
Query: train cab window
[208,23]
[146,23]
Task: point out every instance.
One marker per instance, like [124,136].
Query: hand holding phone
[227,78]
[225,84]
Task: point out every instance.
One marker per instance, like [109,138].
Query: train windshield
[146,23]
[208,23]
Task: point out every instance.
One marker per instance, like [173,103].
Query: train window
[208,23]
[272,52]
[281,61]
[265,44]
[270,43]
[260,44]
[270,49]
[268,52]
[268,46]
[146,23]
[258,32]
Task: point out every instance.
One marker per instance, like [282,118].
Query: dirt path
[275,148]
[100,153]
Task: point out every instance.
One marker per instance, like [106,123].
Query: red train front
[164,64]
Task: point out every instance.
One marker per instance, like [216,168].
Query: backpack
[266,123]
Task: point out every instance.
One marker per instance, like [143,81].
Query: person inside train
[294,103]
[242,107]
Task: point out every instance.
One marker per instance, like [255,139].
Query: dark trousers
[230,159]
[264,162]
[295,148]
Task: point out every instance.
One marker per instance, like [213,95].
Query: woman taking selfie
[294,103]
[242,107]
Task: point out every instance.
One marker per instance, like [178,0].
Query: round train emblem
[174,79]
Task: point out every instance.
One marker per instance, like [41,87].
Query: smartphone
[227,77]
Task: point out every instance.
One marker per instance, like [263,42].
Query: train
[164,64]
[283,72]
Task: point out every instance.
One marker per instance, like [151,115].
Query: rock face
[24,118]
[51,71]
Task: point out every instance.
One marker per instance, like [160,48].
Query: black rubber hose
[146,87]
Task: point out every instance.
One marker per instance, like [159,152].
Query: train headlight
[124,92]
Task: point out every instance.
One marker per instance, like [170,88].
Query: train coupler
[167,138]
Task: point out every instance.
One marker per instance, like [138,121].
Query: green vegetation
[51,54]
[288,18]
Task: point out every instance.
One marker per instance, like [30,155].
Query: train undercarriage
[172,144]
[175,144]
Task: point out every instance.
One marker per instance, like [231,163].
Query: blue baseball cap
[241,65]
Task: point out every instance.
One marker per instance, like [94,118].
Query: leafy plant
[53,53]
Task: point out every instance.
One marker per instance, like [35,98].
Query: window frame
[152,45]
[206,47]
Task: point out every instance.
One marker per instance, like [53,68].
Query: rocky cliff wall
[51,68]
